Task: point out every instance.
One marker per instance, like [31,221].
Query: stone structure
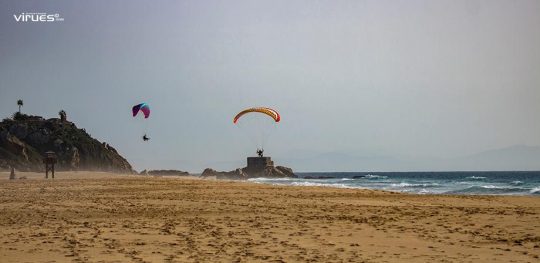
[257,163]
[256,167]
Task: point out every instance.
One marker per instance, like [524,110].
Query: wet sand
[100,217]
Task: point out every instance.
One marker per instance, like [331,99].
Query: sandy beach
[100,217]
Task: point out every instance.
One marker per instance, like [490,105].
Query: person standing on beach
[12,174]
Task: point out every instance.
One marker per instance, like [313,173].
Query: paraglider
[145,109]
[270,112]
[258,123]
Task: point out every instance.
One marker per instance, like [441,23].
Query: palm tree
[20,103]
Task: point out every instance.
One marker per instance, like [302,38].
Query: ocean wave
[322,184]
[410,185]
[476,177]
[263,179]
[466,184]
[374,176]
[489,186]
[425,191]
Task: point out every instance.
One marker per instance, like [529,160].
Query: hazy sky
[405,79]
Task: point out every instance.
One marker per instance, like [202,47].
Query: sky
[407,80]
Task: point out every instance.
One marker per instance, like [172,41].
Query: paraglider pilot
[260,152]
[145,138]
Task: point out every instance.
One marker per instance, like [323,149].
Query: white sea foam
[476,177]
[425,191]
[322,184]
[535,190]
[405,185]
[262,179]
[452,184]
[373,176]
[490,186]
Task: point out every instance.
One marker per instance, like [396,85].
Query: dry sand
[101,217]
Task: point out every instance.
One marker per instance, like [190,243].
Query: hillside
[25,138]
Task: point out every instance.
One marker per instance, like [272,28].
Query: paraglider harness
[260,152]
[145,138]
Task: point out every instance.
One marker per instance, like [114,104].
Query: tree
[20,103]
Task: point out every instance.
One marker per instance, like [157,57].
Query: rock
[24,141]
[167,172]
[235,174]
[20,130]
[38,137]
[257,167]
[208,172]
[15,152]
[286,171]
[13,144]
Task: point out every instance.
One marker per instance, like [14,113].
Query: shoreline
[447,183]
[96,175]
[100,216]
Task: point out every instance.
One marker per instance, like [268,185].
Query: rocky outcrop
[17,153]
[257,167]
[24,140]
[283,171]
[236,174]
[165,173]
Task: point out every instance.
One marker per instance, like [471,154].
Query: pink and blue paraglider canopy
[141,107]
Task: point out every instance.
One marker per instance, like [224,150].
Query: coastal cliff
[25,138]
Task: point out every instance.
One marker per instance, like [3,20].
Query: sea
[462,183]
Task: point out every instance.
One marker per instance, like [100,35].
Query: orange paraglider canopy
[268,111]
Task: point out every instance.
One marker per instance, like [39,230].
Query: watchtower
[49,160]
